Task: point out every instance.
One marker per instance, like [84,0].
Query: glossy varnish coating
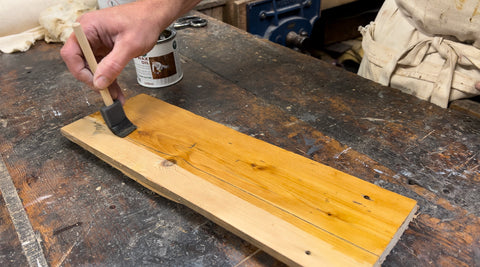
[299,210]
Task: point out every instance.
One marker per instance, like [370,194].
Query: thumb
[111,66]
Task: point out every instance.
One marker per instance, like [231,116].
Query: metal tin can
[161,66]
[111,3]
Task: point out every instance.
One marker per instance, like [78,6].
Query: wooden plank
[298,210]
[215,12]
[236,13]
[212,8]
[204,4]
[326,4]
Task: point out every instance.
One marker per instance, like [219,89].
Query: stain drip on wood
[30,245]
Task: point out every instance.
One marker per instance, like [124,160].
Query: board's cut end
[116,120]
[403,227]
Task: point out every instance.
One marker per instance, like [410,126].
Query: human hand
[117,35]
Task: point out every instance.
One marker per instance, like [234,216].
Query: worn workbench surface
[83,212]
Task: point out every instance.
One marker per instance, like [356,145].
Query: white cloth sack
[18,16]
[23,22]
[58,19]
[460,19]
[434,68]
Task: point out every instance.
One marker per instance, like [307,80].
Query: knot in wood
[169,162]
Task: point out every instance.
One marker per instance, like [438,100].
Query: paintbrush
[112,112]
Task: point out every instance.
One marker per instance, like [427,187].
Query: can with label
[161,66]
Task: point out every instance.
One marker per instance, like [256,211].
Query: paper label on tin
[163,66]
[156,67]
[160,66]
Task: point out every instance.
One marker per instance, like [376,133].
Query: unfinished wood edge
[397,236]
[116,165]
[152,188]
[226,211]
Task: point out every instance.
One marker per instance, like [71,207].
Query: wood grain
[236,13]
[252,188]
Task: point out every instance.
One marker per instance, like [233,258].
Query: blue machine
[275,19]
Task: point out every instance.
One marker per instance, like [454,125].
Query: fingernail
[101,82]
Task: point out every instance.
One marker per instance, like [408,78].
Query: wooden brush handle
[92,62]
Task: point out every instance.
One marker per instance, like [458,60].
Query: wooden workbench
[81,211]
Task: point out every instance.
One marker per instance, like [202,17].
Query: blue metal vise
[275,19]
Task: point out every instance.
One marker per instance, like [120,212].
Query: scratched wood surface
[9,242]
[85,212]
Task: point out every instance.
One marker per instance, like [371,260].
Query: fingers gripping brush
[112,112]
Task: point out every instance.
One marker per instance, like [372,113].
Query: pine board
[298,210]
